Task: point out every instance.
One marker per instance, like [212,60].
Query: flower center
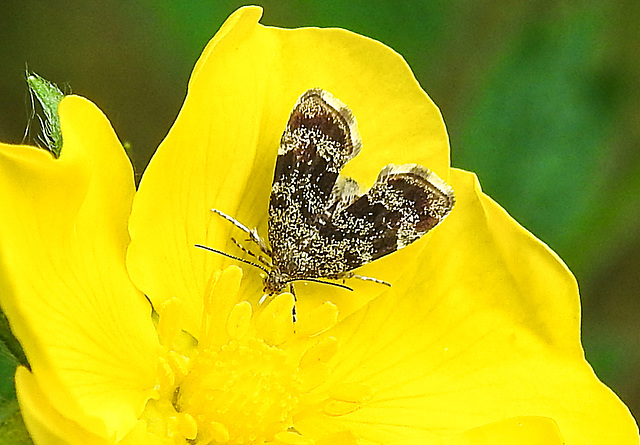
[243,379]
[244,391]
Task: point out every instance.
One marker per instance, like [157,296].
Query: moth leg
[260,258]
[253,233]
[347,275]
[293,309]
[263,298]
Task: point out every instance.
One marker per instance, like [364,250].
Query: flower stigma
[241,382]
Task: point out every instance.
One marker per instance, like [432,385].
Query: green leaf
[9,345]
[12,428]
[8,365]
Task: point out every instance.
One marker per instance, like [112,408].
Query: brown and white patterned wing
[404,203]
[321,136]
[319,226]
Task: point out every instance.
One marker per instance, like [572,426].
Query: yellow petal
[85,328]
[222,149]
[484,327]
[514,431]
[45,424]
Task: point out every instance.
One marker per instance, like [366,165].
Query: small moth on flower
[320,226]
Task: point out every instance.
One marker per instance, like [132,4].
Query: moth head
[275,281]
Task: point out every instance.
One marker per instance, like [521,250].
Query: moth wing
[321,136]
[345,192]
[319,226]
[404,203]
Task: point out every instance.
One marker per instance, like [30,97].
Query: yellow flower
[477,342]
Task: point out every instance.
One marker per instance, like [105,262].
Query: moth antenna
[253,234]
[232,220]
[241,247]
[242,260]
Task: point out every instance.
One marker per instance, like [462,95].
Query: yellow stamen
[275,323]
[239,320]
[242,380]
[318,320]
[187,426]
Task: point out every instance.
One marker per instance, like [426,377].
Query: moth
[320,225]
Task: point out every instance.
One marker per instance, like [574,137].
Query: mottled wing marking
[320,137]
[319,225]
[404,203]
[344,193]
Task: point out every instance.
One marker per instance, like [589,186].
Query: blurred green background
[540,99]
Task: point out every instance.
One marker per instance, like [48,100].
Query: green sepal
[49,96]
